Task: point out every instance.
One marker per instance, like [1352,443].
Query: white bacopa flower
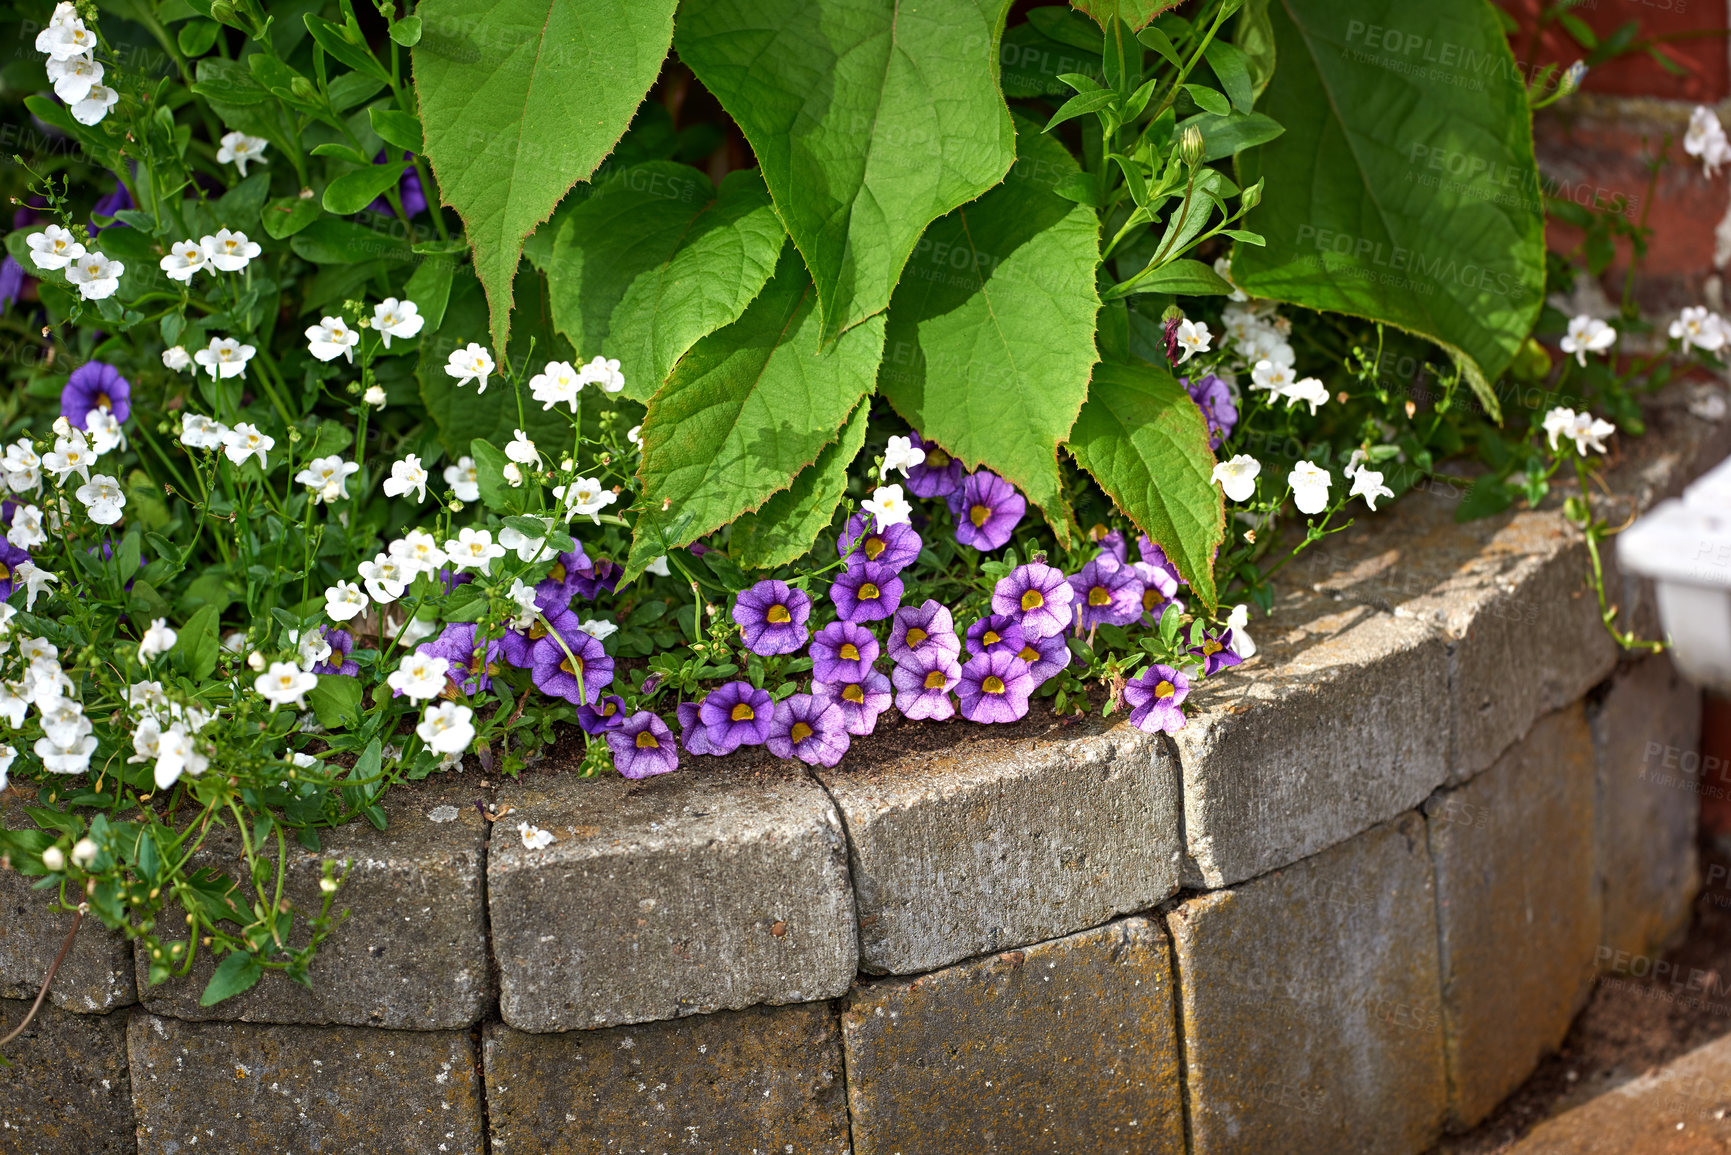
[74,77]
[25,532]
[285,684]
[1705,139]
[176,359]
[473,549]
[103,430]
[241,149]
[1193,337]
[1367,483]
[332,338]
[585,497]
[84,852]
[65,723]
[8,755]
[65,40]
[386,578]
[54,248]
[70,759]
[513,475]
[200,432]
[534,838]
[528,547]
[900,455]
[96,276]
[658,567]
[244,441]
[1699,327]
[95,104]
[21,466]
[310,646]
[1275,376]
[146,739]
[1557,424]
[472,363]
[1308,390]
[419,551]
[407,476]
[1237,477]
[888,507]
[1241,643]
[419,677]
[53,857]
[394,318]
[1310,483]
[344,601]
[521,449]
[636,431]
[557,384]
[177,754]
[229,251]
[104,498]
[158,639]
[463,480]
[374,396]
[1589,432]
[523,597]
[1587,335]
[446,729]
[598,628]
[224,357]
[13,704]
[604,371]
[327,478]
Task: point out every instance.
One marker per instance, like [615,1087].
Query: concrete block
[755,1081]
[1647,749]
[1308,999]
[1517,909]
[246,1087]
[412,953]
[676,895]
[1341,723]
[65,1092]
[1062,1046]
[996,837]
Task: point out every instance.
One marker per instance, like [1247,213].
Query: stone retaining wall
[1349,907]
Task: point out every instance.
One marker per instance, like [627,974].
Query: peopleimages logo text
[1367,252]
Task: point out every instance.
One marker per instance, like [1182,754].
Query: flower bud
[328,885]
[1190,145]
[54,858]
[84,852]
[300,86]
[255,661]
[1251,197]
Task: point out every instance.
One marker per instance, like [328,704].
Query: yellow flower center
[608,709]
[778,615]
[935,680]
[936,458]
[979,514]
[800,732]
[5,571]
[993,684]
[855,694]
[868,592]
[646,741]
[743,713]
[1211,647]
[537,629]
[873,546]
[103,402]
[1164,689]
[567,667]
[1033,600]
[1152,598]
[991,637]
[557,573]
[849,651]
[916,636]
[1029,654]
[1099,596]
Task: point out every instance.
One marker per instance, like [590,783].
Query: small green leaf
[1182,277]
[1208,99]
[196,37]
[336,701]
[407,31]
[286,216]
[1232,68]
[344,41]
[341,151]
[148,861]
[398,128]
[237,972]
[354,191]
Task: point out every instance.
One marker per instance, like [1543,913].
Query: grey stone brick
[66,1091]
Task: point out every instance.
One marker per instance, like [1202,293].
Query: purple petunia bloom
[923,686]
[605,715]
[866,592]
[736,714]
[342,644]
[643,745]
[1159,589]
[772,615]
[842,651]
[554,671]
[693,734]
[1112,544]
[995,688]
[1154,699]
[1107,594]
[921,630]
[1038,597]
[408,188]
[11,282]
[1045,657]
[450,579]
[895,546]
[555,591]
[939,475]
[95,385]
[456,644]
[1156,557]
[995,633]
[10,557]
[1215,652]
[808,728]
[592,579]
[987,510]
[860,700]
[1214,397]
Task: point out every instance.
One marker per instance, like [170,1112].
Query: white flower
[244,441]
[157,639]
[473,363]
[21,466]
[604,372]
[200,432]
[176,359]
[1193,337]
[462,479]
[888,506]
[1275,376]
[394,318]
[585,498]
[473,549]
[1241,643]
[225,358]
[513,475]
[84,852]
[446,729]
[1589,432]
[332,338]
[65,40]
[636,431]
[327,478]
[285,683]
[241,149]
[1367,483]
[521,449]
[1310,484]
[523,596]
[1308,390]
[25,532]
[1587,335]
[374,396]
[1557,423]
[64,722]
[534,838]
[386,577]
[311,646]
[95,104]
[598,628]
[900,455]
[418,550]
[419,677]
[229,251]
[1705,138]
[658,567]
[146,739]
[7,755]
[96,276]
[52,856]
[557,384]
[104,498]
[103,431]
[1700,328]
[70,759]
[1237,477]
[71,454]
[344,601]
[407,476]
[13,704]
[176,754]
[54,248]
[74,77]
[528,548]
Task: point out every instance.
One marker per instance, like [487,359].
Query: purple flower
[555,591]
[1154,698]
[693,735]
[772,616]
[342,644]
[995,633]
[939,475]
[592,579]
[1156,557]
[1159,588]
[808,728]
[736,714]
[842,651]
[1214,397]
[558,676]
[995,688]
[457,645]
[109,205]
[1038,597]
[860,700]
[987,510]
[866,592]
[1107,593]
[643,745]
[450,579]
[897,546]
[923,685]
[409,188]
[604,716]
[921,630]
[1045,657]
[95,385]
[11,282]
[1112,544]
[10,557]
[1215,652]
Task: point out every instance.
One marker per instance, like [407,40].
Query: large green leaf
[991,334]
[1135,13]
[1146,443]
[746,410]
[1404,189]
[790,521]
[655,259]
[521,102]
[871,118]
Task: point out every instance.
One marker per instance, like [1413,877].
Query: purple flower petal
[995,633]
[643,745]
[923,686]
[1107,594]
[859,700]
[938,476]
[808,728]
[736,714]
[867,592]
[95,385]
[771,616]
[896,547]
[995,688]
[924,629]
[1038,596]
[1154,699]
[987,510]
